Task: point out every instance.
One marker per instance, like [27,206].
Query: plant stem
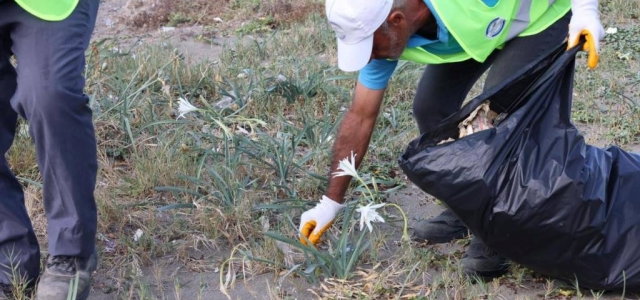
[405,233]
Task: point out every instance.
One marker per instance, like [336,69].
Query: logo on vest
[495,27]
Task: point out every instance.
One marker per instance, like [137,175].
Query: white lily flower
[185,107]
[369,214]
[347,167]
[137,235]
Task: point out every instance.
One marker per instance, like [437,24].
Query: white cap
[354,22]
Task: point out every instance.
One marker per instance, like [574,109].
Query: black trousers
[46,88]
[443,88]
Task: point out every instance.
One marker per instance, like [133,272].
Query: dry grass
[138,154]
[35,209]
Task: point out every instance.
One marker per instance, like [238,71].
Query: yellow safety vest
[49,10]
[480,29]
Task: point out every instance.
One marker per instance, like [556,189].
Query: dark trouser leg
[440,93]
[443,88]
[51,60]
[18,244]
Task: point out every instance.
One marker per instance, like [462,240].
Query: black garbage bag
[532,189]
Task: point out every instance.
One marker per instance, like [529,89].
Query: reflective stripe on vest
[521,21]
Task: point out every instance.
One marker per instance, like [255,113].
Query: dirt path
[110,25]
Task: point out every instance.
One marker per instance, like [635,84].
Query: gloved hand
[315,221]
[586,21]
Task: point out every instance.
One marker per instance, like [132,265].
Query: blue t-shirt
[377,73]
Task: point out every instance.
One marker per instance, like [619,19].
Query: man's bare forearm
[354,135]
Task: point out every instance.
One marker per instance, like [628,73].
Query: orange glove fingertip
[592,61]
[591,47]
[314,237]
[306,231]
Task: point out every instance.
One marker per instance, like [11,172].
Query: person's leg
[19,250]
[442,88]
[50,95]
[441,91]
[479,260]
[51,60]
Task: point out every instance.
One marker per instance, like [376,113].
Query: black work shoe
[58,274]
[441,229]
[482,262]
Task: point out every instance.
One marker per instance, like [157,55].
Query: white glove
[586,21]
[315,221]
